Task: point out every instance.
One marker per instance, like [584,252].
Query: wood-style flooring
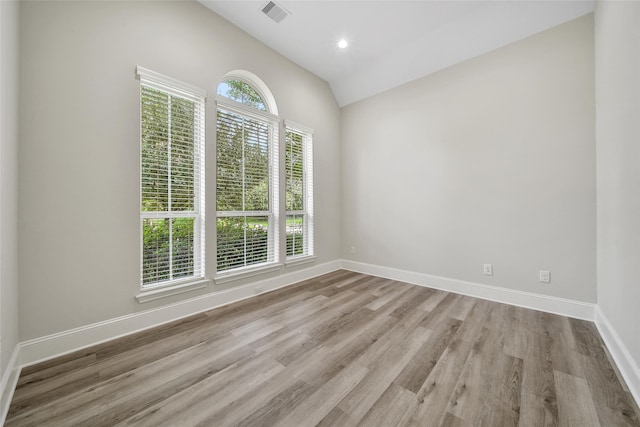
[343,349]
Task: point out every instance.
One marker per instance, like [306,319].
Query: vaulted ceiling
[392,42]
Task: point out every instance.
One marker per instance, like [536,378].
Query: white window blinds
[171,179]
[246,191]
[299,190]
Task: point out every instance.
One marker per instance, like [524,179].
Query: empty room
[320,213]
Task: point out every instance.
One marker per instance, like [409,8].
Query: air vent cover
[274,11]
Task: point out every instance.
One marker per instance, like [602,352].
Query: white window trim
[299,259]
[298,127]
[153,294]
[240,108]
[227,276]
[163,289]
[170,84]
[308,200]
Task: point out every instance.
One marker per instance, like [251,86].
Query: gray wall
[489,161]
[9,12]
[617,34]
[79,152]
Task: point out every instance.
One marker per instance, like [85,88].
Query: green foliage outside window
[294,170]
[242,92]
[295,237]
[241,241]
[158,257]
[294,200]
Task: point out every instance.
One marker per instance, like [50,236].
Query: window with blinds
[171,180]
[246,190]
[299,190]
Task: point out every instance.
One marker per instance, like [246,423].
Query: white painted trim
[245,272]
[562,306]
[240,108]
[161,292]
[621,355]
[9,381]
[298,260]
[298,127]
[155,78]
[44,348]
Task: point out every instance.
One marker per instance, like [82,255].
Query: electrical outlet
[258,290]
[545,276]
[352,250]
[487,270]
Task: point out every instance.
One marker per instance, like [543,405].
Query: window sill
[292,262]
[163,292]
[244,273]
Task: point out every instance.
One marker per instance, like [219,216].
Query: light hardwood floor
[340,350]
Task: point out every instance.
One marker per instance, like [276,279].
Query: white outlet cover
[487,270]
[545,276]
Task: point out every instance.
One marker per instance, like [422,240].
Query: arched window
[246,174]
[248,89]
[241,92]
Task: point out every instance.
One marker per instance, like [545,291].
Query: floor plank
[575,403]
[343,349]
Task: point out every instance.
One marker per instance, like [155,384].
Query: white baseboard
[40,349]
[621,356]
[9,381]
[562,306]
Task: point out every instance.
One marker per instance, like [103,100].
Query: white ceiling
[392,42]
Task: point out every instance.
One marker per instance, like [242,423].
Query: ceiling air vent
[274,11]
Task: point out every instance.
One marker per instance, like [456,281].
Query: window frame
[308,253]
[273,213]
[172,286]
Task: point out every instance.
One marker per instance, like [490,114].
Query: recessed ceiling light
[342,44]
